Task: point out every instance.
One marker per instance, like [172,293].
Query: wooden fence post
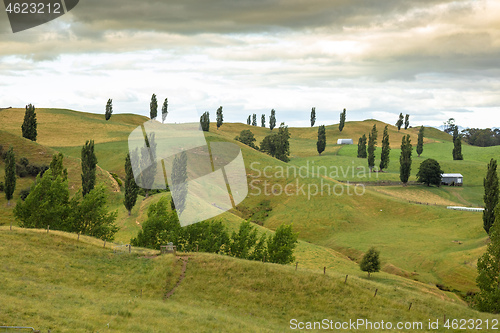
[324,270]
[346,279]
[375,292]
[129,248]
[409,306]
[296,265]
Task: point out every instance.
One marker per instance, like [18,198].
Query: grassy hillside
[57,283]
[421,244]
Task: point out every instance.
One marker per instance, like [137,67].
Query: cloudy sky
[433,59]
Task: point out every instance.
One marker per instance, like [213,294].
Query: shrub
[2,186]
[24,193]
[118,180]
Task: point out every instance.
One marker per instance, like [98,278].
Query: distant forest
[482,137]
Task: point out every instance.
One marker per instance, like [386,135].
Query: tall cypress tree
[491,195]
[313,116]
[109,109]
[399,123]
[153,107]
[405,160]
[219,117]
[420,142]
[321,144]
[407,121]
[10,174]
[386,150]
[164,110]
[362,147]
[29,124]
[131,188]
[254,120]
[372,141]
[457,146]
[272,120]
[89,165]
[263,121]
[342,120]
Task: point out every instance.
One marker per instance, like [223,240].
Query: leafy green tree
[321,144]
[57,167]
[430,173]
[109,109]
[282,244]
[205,121]
[263,120]
[386,150]
[313,116]
[46,204]
[131,188]
[243,242]
[491,195]
[372,141]
[161,226]
[449,126]
[342,120]
[260,250]
[362,147]
[272,120]
[488,266]
[164,110]
[254,120]
[179,186]
[370,262]
[90,216]
[399,123]
[153,107]
[457,143]
[219,117]
[246,137]
[10,174]
[420,142]
[249,120]
[407,121]
[29,124]
[89,166]
[269,144]
[283,147]
[405,159]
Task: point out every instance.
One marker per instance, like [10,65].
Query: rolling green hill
[421,242]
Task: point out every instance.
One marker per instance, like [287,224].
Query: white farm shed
[452,179]
[345,142]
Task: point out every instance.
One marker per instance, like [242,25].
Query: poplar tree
[254,120]
[488,266]
[342,120]
[491,195]
[249,120]
[29,124]
[10,174]
[399,123]
[263,120]
[457,146]
[205,121]
[407,121]
[420,142]
[321,144]
[131,188]
[386,150]
[272,120]
[164,110]
[109,109]
[362,147]
[219,117]
[89,166]
[153,107]
[372,141]
[405,160]
[313,116]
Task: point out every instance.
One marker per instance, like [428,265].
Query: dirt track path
[181,277]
